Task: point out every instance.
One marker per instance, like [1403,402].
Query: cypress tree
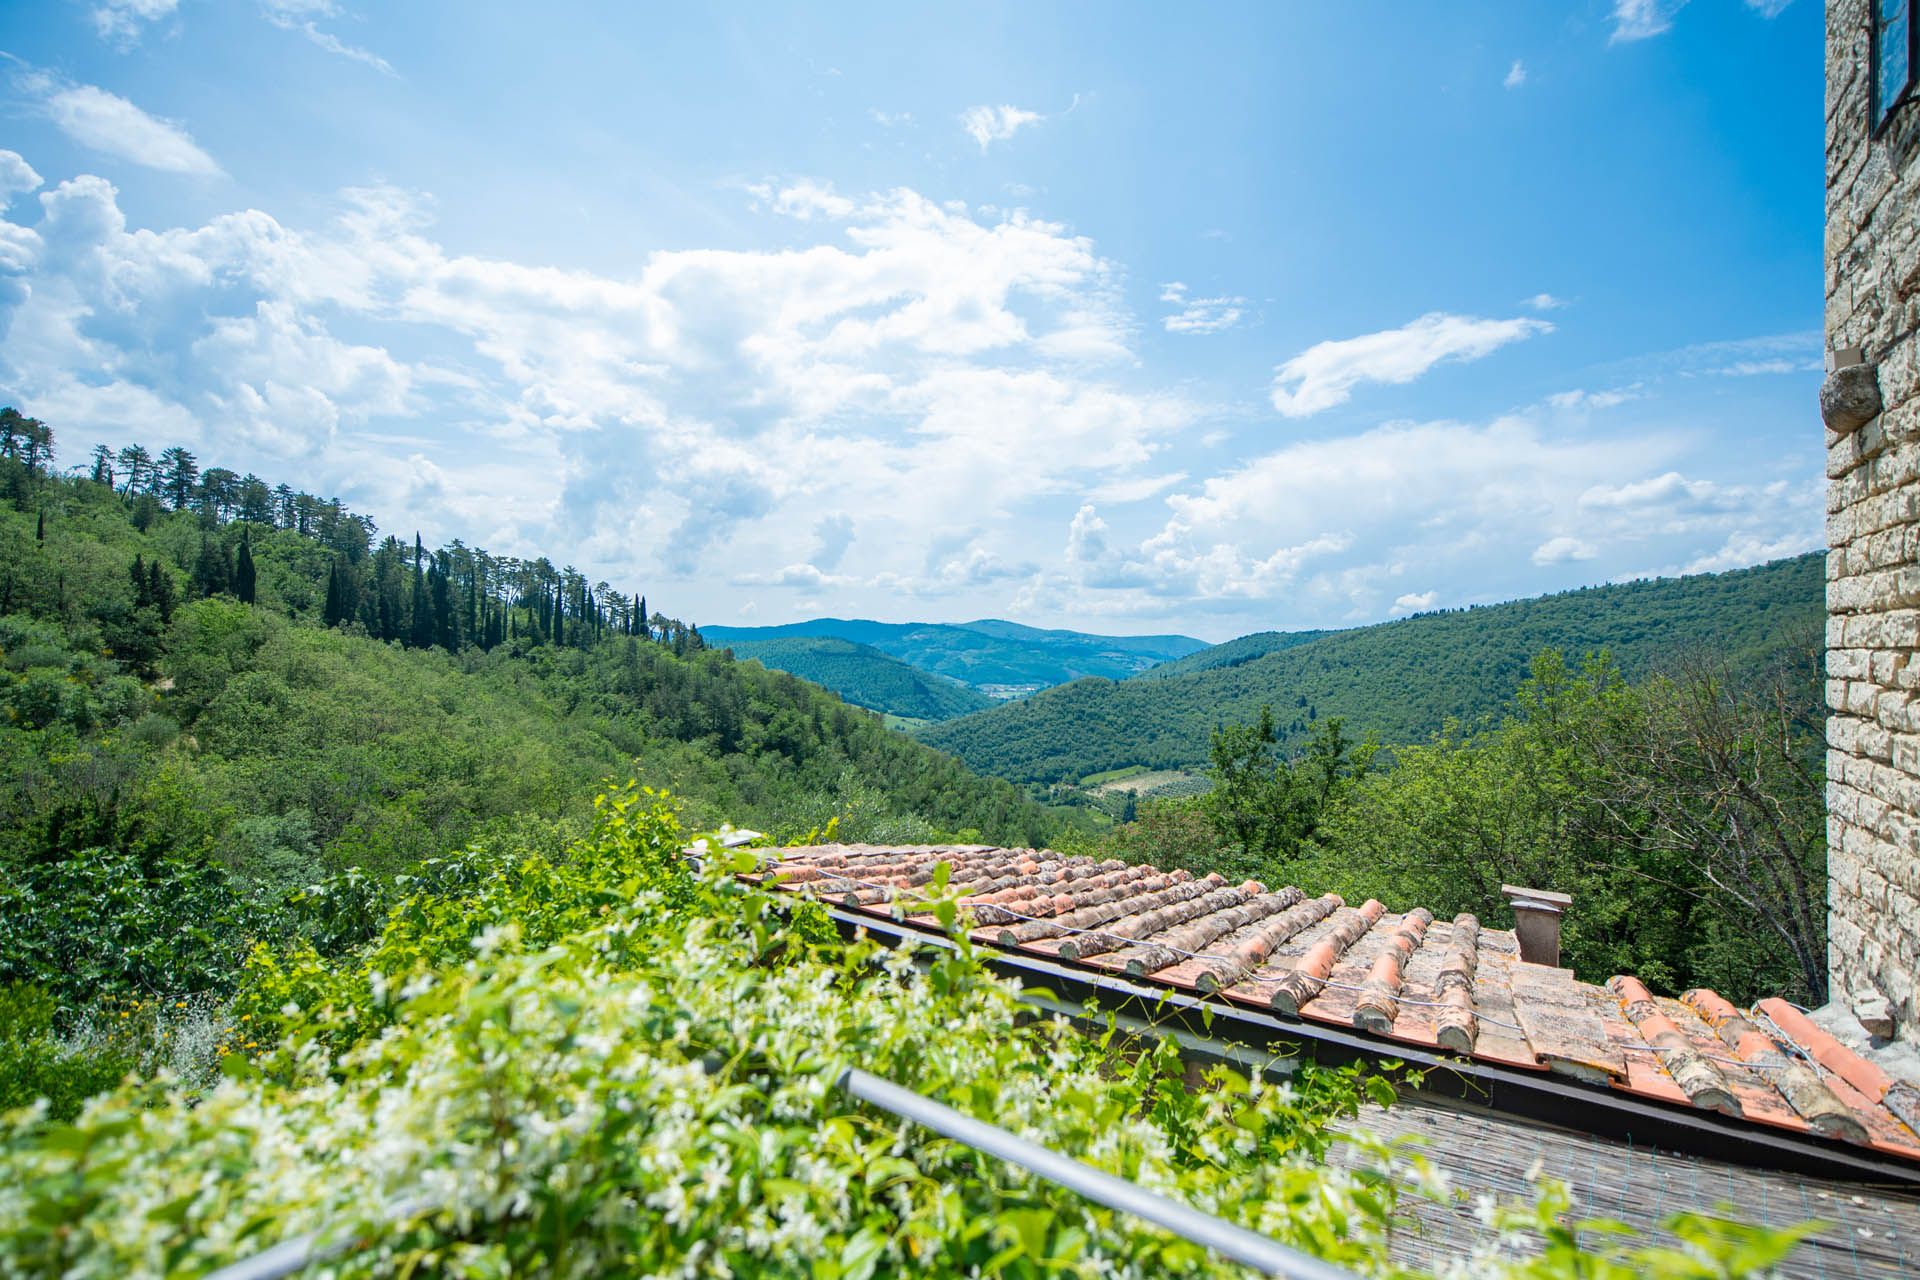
[142,590]
[243,576]
[334,610]
[40,529]
[420,619]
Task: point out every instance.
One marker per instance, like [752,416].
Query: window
[1891,58]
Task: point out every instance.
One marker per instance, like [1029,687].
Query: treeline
[1402,680]
[455,598]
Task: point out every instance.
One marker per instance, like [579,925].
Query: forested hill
[204,671]
[1400,679]
[1002,658]
[864,676]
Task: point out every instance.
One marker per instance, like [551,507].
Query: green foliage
[864,676]
[102,921]
[1584,787]
[603,1065]
[1265,808]
[1400,680]
[35,1066]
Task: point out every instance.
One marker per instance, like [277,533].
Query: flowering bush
[604,1065]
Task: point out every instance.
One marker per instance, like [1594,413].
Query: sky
[1123,317]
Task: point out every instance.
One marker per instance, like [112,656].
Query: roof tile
[1455,986]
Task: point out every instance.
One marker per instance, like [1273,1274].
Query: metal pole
[1243,1246]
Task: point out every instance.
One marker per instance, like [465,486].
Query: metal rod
[1243,1246]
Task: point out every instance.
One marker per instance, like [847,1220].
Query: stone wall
[1872,411]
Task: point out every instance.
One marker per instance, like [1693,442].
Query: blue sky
[1122,317]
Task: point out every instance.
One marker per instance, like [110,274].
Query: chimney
[1536,921]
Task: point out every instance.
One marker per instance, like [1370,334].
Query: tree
[136,464]
[102,470]
[1714,784]
[420,630]
[212,572]
[178,475]
[334,611]
[244,578]
[160,589]
[1269,807]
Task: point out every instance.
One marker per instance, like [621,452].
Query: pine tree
[102,466]
[142,587]
[243,574]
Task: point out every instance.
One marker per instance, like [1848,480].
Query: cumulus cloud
[1414,602]
[920,368]
[16,177]
[1324,375]
[1545,302]
[123,22]
[1198,315]
[108,123]
[988,125]
[1562,549]
[1516,75]
[1643,19]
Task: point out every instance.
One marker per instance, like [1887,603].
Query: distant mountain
[1003,659]
[1401,679]
[864,676]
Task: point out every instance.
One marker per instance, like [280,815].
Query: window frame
[1877,123]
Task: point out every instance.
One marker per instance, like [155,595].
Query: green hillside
[204,676]
[1401,679]
[864,676]
[1005,658]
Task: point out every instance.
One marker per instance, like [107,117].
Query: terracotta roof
[1407,979]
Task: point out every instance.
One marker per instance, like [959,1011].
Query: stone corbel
[1850,397]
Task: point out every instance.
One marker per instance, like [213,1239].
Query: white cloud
[1324,375]
[1414,602]
[123,22]
[1199,315]
[1516,75]
[807,199]
[1562,549]
[1642,19]
[890,119]
[303,17]
[1769,8]
[1754,368]
[16,177]
[109,124]
[1545,302]
[1578,399]
[987,125]
[715,411]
